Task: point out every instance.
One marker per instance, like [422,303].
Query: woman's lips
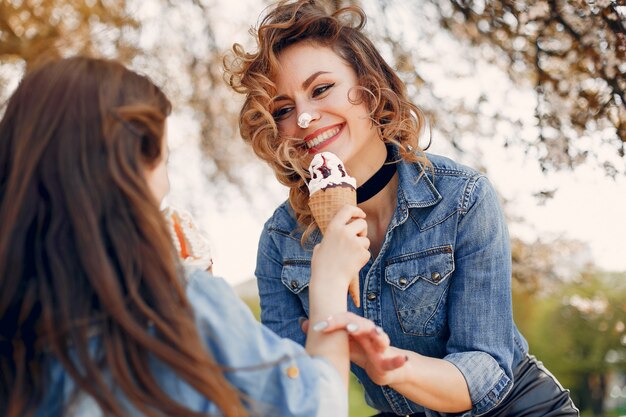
[323,137]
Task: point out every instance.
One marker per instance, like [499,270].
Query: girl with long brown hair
[94,316]
[439,279]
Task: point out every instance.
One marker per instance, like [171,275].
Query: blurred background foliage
[570,54]
[573,52]
[577,330]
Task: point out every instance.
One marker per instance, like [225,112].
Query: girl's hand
[369,346]
[344,248]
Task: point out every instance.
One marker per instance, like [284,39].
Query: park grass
[356,400]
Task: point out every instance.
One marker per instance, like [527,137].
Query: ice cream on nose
[304,120]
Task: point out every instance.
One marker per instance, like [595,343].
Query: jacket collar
[415,185]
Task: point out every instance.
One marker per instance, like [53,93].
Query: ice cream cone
[324,204]
[191,245]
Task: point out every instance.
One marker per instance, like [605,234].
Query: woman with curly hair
[97,315]
[439,278]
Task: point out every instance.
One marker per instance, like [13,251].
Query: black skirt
[535,393]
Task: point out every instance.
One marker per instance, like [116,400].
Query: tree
[31,29]
[542,267]
[580,334]
[571,52]
[573,316]
[172,41]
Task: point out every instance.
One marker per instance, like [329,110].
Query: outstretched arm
[339,257]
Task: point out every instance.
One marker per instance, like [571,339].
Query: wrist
[327,280]
[325,300]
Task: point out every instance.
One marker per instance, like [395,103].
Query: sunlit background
[531,92]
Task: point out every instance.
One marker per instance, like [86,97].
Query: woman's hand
[369,346]
[343,250]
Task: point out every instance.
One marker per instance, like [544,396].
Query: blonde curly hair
[253,73]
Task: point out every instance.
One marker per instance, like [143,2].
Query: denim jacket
[276,375]
[440,286]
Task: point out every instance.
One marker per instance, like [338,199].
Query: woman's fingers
[394,362]
[378,339]
[344,247]
[345,215]
[365,242]
[357,227]
[352,219]
[304,324]
[358,324]
[369,344]
[372,337]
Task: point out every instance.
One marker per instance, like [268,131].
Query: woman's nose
[306,117]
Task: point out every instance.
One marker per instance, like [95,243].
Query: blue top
[440,286]
[259,360]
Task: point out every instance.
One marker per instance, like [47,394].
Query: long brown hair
[253,73]
[84,248]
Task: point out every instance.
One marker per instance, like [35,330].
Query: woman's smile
[323,137]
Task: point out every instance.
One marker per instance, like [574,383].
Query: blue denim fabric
[440,286]
[258,360]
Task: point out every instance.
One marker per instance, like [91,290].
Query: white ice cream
[327,170]
[197,248]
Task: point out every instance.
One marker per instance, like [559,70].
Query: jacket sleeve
[280,308]
[480,316]
[276,375]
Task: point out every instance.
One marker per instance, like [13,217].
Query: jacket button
[294,284]
[436,276]
[371,296]
[293,372]
[403,281]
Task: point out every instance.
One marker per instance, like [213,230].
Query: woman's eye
[322,89]
[281,113]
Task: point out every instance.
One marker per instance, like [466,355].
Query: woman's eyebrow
[312,78]
[305,85]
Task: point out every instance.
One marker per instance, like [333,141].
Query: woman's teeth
[322,137]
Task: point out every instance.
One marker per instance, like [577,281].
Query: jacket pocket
[420,284]
[295,276]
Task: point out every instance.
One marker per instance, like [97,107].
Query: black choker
[378,181]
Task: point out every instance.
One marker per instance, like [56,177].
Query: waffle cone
[324,204]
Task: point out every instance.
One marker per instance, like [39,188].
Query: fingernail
[301,320]
[378,330]
[352,327]
[318,327]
